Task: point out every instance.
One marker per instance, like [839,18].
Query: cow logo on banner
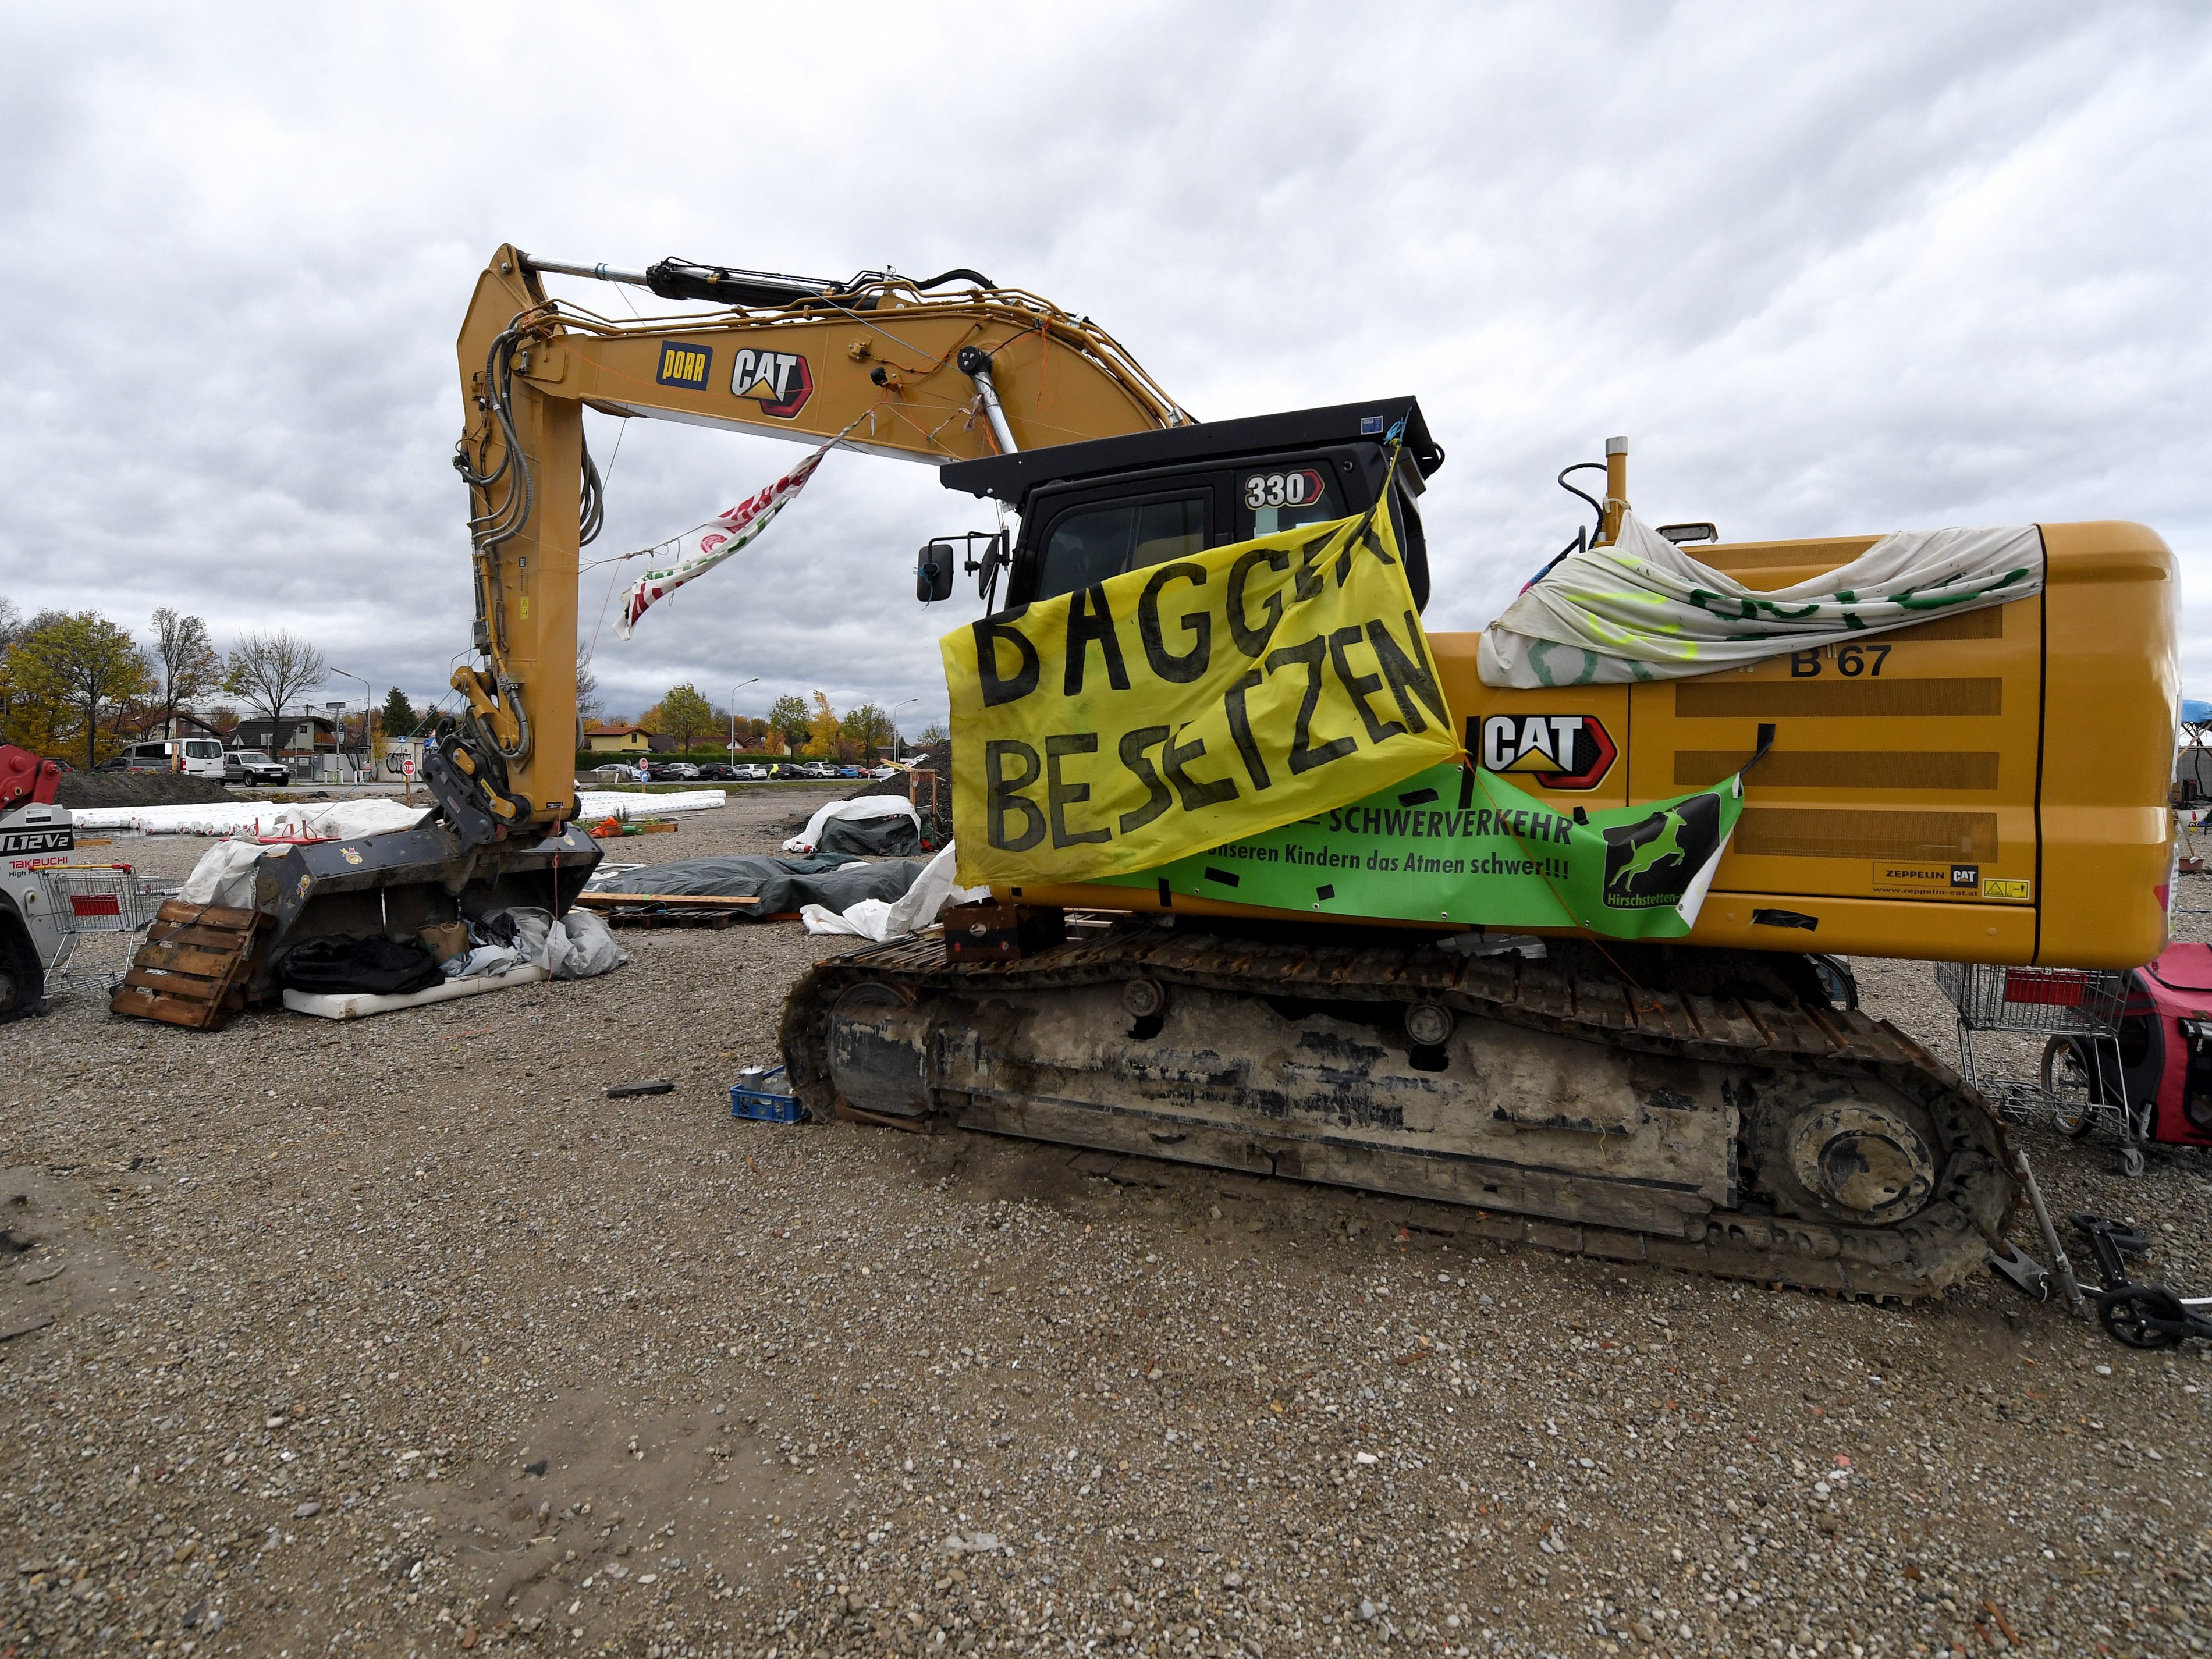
[1650,863]
[1180,705]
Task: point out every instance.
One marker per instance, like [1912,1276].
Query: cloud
[1836,269]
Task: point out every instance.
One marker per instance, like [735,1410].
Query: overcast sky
[1832,269]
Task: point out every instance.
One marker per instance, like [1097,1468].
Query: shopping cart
[87,899]
[2077,1011]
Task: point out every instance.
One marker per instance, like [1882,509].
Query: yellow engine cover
[1985,787]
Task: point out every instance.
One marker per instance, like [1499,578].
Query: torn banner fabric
[697,551]
[1643,609]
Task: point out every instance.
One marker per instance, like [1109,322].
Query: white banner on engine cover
[1645,610]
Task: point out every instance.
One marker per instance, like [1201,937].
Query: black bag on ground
[341,964]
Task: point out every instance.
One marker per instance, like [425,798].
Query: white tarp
[868,806]
[368,815]
[344,820]
[880,920]
[224,874]
[593,804]
[1645,610]
[578,946]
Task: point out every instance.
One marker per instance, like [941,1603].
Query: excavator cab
[1099,509]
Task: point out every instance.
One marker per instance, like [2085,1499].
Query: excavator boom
[882,364]
[949,368]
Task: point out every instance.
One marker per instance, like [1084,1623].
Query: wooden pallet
[191,970]
[669,910]
[641,901]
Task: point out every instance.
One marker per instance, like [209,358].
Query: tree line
[792,726]
[78,685]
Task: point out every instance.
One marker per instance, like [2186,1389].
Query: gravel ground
[399,1336]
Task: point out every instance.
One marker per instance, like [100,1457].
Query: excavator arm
[923,371]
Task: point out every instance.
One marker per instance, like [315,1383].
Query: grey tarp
[782,885]
[885,838]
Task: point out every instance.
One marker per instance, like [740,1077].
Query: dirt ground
[400,1337]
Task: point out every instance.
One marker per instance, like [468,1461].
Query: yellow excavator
[1990,787]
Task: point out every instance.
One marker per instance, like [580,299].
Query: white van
[201,758]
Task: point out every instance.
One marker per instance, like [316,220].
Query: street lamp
[733,712]
[368,712]
[893,724]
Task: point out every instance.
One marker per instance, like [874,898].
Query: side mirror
[934,570]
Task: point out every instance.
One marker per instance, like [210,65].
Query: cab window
[1089,543]
[1287,496]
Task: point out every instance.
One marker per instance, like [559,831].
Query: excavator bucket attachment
[400,883]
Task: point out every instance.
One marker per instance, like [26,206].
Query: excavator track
[1739,1131]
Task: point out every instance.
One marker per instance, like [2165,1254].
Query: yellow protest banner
[1174,708]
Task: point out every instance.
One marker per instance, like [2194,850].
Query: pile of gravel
[86,790]
[937,758]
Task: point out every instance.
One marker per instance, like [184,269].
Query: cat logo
[684,364]
[779,381]
[1559,751]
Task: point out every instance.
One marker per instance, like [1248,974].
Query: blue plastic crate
[748,1100]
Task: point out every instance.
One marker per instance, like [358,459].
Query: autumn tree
[87,664]
[823,728]
[33,714]
[683,714]
[186,660]
[787,716]
[865,729]
[12,630]
[272,669]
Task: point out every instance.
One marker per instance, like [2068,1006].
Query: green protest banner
[1453,844]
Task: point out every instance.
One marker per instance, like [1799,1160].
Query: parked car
[850,772]
[616,772]
[252,766]
[719,771]
[671,771]
[119,764]
[751,773]
[886,770]
[197,758]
